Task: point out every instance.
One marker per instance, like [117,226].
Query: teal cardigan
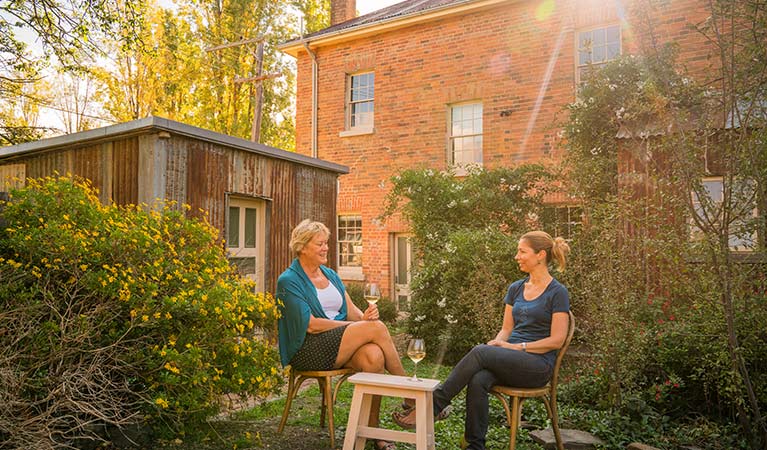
[297,301]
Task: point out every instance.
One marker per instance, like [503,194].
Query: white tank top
[330,299]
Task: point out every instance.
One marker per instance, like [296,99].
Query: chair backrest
[562,351]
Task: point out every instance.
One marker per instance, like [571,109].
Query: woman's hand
[371,313]
[497,343]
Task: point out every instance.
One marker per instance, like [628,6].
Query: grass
[256,427]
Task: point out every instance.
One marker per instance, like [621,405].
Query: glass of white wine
[416,351]
[372,293]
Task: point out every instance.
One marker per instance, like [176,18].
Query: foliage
[387,312]
[69,32]
[115,316]
[183,73]
[635,96]
[465,234]
[657,300]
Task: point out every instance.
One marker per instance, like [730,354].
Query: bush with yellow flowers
[111,316]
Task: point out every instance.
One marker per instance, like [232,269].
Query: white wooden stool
[367,385]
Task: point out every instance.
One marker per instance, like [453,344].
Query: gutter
[394,22]
[315,70]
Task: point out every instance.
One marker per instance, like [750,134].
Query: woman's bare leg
[369,358]
[359,334]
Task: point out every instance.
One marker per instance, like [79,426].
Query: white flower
[419,318]
[442,303]
[450,247]
[451,204]
[450,320]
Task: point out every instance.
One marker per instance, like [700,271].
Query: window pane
[598,54]
[245,266]
[402,260]
[613,50]
[584,40]
[598,38]
[350,241]
[613,34]
[250,228]
[233,237]
[713,189]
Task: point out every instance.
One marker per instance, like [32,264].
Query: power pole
[255,132]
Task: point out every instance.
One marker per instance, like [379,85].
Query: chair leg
[515,413]
[338,386]
[328,399]
[288,401]
[502,399]
[321,382]
[555,423]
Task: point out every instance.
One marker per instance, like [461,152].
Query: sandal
[385,445]
[399,416]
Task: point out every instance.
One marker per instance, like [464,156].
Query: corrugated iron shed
[145,160]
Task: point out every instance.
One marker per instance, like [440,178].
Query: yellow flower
[162,402]
[144,317]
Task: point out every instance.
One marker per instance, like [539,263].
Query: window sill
[351,273]
[356,132]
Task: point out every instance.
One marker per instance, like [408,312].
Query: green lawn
[305,416]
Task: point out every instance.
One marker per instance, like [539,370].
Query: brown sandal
[385,445]
[399,416]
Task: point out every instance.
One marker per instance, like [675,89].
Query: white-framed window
[350,246]
[742,209]
[595,47]
[465,135]
[564,221]
[360,100]
[246,237]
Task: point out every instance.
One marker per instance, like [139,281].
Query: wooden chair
[547,393]
[325,380]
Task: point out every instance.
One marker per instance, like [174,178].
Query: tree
[690,190]
[69,32]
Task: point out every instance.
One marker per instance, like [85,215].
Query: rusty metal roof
[158,124]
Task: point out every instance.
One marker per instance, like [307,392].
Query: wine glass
[372,293]
[416,351]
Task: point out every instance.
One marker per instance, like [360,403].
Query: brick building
[434,83]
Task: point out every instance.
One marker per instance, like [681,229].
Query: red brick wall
[518,59]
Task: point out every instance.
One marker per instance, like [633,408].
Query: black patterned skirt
[319,351]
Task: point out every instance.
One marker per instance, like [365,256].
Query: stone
[640,446]
[571,439]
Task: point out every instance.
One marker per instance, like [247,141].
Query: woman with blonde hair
[320,328]
[523,353]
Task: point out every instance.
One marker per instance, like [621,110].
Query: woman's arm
[559,323]
[318,324]
[352,312]
[507,327]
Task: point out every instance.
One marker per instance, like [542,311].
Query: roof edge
[146,124]
[365,29]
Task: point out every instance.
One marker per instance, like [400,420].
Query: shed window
[246,237]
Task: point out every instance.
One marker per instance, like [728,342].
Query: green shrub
[114,315]
[386,310]
[465,235]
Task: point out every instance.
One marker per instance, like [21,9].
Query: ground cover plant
[112,316]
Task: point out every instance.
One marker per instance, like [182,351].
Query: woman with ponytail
[523,353]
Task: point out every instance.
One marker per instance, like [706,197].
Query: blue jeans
[483,367]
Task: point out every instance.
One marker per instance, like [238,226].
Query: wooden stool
[324,379]
[366,385]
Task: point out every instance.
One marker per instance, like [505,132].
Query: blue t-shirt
[532,318]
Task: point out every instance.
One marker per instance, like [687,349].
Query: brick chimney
[342,10]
